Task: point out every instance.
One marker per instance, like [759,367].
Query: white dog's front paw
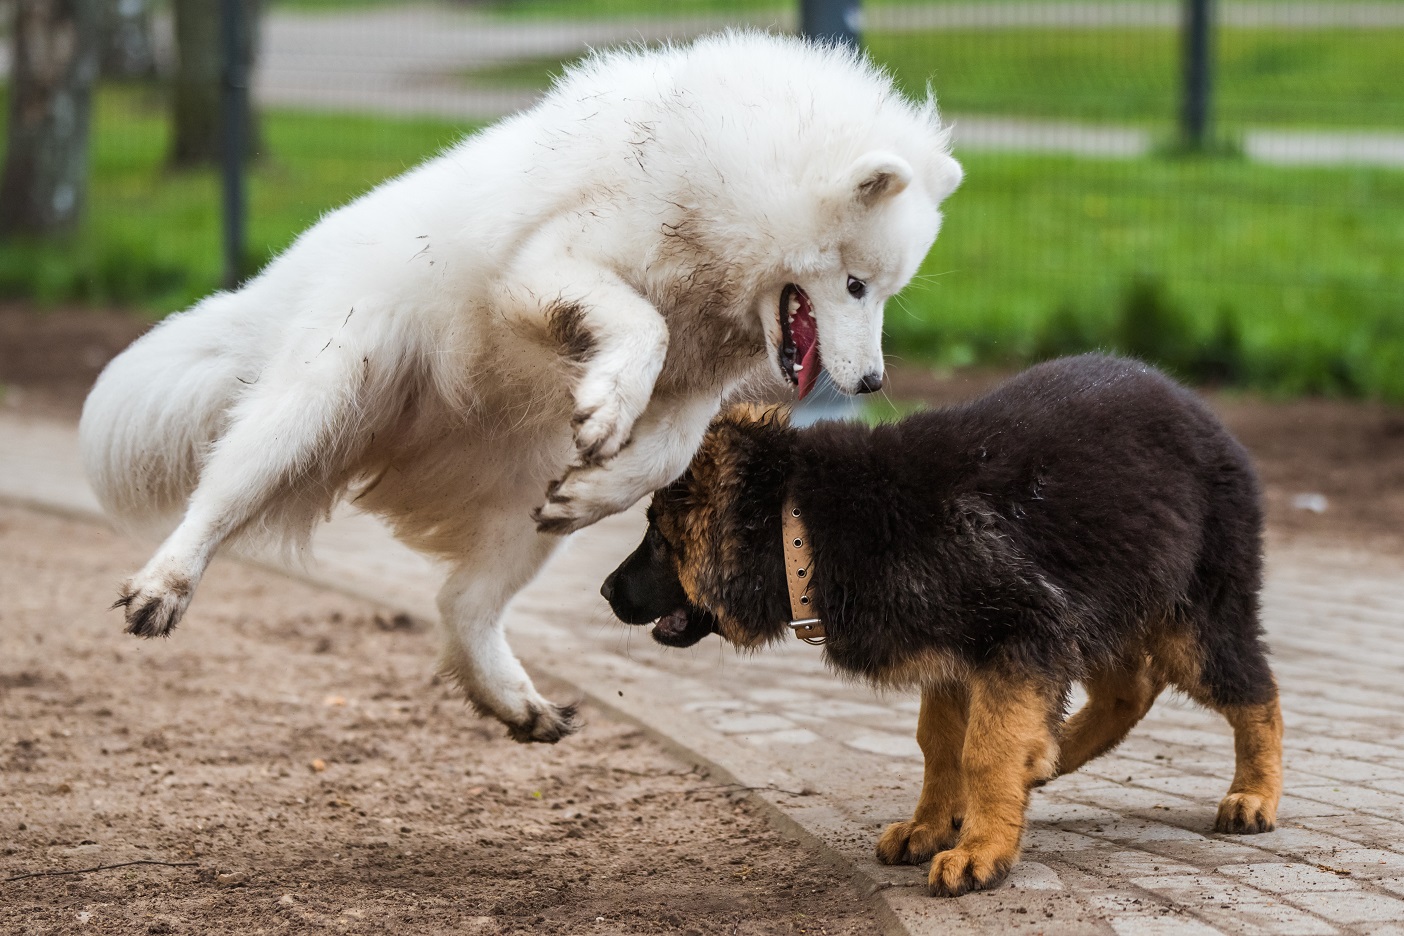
[601,429]
[582,497]
[154,604]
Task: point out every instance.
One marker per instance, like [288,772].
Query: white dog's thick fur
[529,332]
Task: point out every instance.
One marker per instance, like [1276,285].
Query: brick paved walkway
[1124,846]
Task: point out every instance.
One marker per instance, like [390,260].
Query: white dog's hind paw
[545,725]
[153,609]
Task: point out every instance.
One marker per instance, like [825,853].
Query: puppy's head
[711,560]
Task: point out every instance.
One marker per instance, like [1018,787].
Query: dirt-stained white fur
[529,332]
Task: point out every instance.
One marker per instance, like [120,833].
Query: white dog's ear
[945,177]
[877,176]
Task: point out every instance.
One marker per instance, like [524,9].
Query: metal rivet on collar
[800,573]
[794,511]
[798,542]
[804,599]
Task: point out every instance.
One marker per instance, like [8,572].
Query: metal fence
[1272,254]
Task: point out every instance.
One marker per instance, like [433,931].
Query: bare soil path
[290,748]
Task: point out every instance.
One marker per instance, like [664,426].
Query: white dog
[531,331]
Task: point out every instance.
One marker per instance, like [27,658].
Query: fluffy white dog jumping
[530,331]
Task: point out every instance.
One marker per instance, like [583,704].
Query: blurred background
[1248,233]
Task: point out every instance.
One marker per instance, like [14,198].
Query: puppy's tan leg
[936,822]
[1251,803]
[1009,745]
[1116,700]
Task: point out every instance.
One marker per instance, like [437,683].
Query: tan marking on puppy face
[696,516]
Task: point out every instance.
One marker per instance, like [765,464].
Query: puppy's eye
[856,287]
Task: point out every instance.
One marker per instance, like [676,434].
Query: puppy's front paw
[1246,814]
[154,605]
[967,868]
[913,842]
[582,497]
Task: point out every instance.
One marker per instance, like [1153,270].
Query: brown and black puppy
[1088,521]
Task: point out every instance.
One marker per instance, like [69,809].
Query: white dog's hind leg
[285,432]
[507,553]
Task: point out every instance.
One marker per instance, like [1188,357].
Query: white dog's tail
[158,406]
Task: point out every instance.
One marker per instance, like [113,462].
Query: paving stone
[892,745]
[1351,906]
[1288,878]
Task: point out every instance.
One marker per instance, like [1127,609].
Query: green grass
[1277,278]
[1264,77]
[1274,278]
[1328,78]
[152,236]
[624,9]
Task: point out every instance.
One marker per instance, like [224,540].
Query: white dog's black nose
[871,383]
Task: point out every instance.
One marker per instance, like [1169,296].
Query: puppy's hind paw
[153,612]
[914,842]
[545,725]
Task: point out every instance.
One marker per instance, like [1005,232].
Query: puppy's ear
[878,176]
[745,429]
[741,415]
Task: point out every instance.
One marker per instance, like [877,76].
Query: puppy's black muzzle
[645,589]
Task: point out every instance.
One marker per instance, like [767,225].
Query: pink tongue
[811,363]
[672,624]
[805,335]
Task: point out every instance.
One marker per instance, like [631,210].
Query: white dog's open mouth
[799,340]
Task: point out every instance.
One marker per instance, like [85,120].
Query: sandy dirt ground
[294,756]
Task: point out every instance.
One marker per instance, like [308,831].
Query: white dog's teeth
[797,368]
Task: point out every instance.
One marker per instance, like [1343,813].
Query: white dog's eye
[856,287]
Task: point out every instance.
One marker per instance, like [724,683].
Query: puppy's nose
[607,589]
[871,383]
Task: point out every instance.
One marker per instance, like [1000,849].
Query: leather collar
[799,571]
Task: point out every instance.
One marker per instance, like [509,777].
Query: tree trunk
[198,80]
[43,188]
[127,49]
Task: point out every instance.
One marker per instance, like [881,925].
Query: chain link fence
[1272,256]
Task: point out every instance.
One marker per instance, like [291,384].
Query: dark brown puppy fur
[1088,521]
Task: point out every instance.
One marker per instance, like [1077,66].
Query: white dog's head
[880,220]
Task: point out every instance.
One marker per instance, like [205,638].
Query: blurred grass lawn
[1280,279]
[1325,78]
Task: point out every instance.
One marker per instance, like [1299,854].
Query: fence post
[835,20]
[1194,107]
[233,108]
